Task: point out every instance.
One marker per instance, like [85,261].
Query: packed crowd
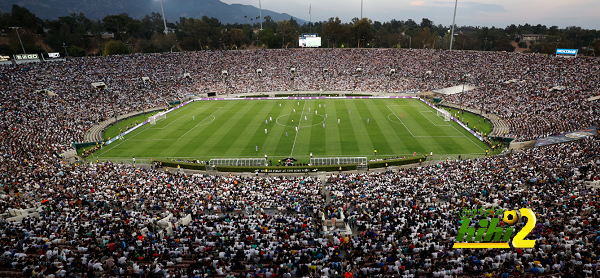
[113,220]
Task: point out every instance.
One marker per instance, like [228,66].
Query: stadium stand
[114,220]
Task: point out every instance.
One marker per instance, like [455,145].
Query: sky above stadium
[582,13]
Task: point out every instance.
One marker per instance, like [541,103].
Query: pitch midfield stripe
[395,144]
[316,139]
[361,134]
[284,144]
[347,134]
[299,122]
[304,145]
[331,138]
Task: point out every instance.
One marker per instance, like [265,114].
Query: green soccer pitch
[235,128]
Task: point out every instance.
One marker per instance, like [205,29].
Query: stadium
[331,162]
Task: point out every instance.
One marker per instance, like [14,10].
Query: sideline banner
[561,51]
[567,137]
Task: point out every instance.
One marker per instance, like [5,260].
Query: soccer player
[308,109]
[349,110]
[194,118]
[286,134]
[323,125]
[256,147]
[338,121]
[292,121]
[270,118]
[266,122]
[305,118]
[325,115]
[402,115]
[280,105]
[294,110]
[367,120]
[265,131]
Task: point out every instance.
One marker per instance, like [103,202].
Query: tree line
[121,34]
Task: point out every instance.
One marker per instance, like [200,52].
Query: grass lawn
[113,130]
[235,128]
[473,120]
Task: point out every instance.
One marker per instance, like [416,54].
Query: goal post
[159,116]
[444,114]
[238,162]
[361,162]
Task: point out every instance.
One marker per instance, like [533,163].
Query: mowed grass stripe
[381,123]
[375,134]
[247,127]
[413,144]
[318,139]
[153,142]
[302,147]
[204,139]
[429,134]
[239,125]
[347,136]
[461,145]
[365,145]
[268,143]
[284,146]
[332,130]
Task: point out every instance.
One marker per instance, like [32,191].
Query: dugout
[211,94]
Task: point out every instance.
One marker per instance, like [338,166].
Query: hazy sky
[583,13]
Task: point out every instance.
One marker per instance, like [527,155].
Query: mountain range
[174,9]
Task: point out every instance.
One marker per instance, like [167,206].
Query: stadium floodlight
[359,69]
[392,71]
[259,71]
[325,70]
[453,20]
[17,30]
[164,20]
[224,72]
[293,70]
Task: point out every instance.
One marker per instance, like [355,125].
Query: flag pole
[310,13]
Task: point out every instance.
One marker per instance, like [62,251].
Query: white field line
[293,146]
[200,123]
[400,120]
[430,119]
[457,130]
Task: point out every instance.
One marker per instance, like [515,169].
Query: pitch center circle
[301,125]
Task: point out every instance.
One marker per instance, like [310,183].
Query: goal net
[238,162]
[361,162]
[159,116]
[444,114]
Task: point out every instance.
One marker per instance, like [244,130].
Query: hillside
[174,9]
